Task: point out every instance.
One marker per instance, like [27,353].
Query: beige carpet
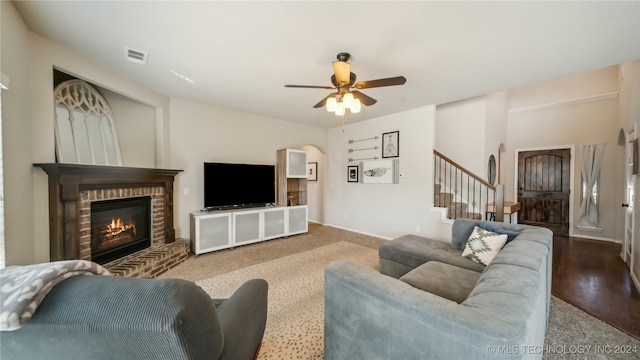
[295,320]
[295,323]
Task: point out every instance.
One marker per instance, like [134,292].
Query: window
[594,192]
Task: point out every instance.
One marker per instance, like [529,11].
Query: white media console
[222,229]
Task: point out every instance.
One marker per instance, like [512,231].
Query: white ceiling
[240,54]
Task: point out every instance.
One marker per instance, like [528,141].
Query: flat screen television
[231,185]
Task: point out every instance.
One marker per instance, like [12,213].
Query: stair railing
[479,196]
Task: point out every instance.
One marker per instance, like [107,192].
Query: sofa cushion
[462,228]
[483,245]
[447,281]
[511,234]
[412,251]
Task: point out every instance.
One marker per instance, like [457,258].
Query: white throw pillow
[483,245]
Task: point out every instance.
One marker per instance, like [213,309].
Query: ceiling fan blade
[343,72]
[364,99]
[398,80]
[310,87]
[323,101]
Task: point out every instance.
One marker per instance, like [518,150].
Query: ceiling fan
[344,82]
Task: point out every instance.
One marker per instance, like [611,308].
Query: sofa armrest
[112,317]
[243,318]
[373,316]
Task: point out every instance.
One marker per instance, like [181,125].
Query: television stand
[216,228]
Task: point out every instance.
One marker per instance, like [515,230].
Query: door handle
[625,205]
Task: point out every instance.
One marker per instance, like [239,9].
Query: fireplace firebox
[119,227]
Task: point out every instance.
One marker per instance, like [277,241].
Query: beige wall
[570,111]
[136,125]
[544,115]
[461,133]
[469,131]
[201,133]
[496,129]
[315,189]
[629,111]
[17,143]
[384,210]
[28,60]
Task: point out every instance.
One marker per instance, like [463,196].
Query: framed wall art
[352,173]
[312,171]
[391,144]
[380,172]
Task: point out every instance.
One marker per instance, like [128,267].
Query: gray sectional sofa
[429,302]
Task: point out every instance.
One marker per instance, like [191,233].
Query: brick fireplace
[74,188]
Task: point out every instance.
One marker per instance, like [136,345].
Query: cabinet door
[274,223]
[297,220]
[296,163]
[246,227]
[211,232]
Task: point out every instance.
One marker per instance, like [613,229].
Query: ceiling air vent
[136,56]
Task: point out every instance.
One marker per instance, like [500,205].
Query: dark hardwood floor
[590,275]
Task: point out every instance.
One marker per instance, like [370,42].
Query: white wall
[315,189]
[384,210]
[201,133]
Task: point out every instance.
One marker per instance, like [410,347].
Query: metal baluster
[455,193]
[435,174]
[450,189]
[473,199]
[440,179]
[480,190]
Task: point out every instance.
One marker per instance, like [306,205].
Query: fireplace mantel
[67,181]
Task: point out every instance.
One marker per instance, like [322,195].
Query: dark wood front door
[543,189]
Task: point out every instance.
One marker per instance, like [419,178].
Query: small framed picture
[352,173]
[391,144]
[312,171]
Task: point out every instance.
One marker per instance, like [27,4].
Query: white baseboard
[359,232]
[595,238]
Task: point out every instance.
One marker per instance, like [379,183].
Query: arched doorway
[316,160]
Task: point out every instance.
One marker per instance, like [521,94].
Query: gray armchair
[109,317]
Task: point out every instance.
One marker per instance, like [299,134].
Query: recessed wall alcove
[72,189]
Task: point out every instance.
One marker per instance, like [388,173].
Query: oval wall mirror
[491,172]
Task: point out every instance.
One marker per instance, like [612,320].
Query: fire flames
[117,229]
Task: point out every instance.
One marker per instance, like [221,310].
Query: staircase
[455,209]
[462,193]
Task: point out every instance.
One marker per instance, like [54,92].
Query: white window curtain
[591,159]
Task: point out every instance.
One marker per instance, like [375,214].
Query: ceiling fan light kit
[346,101]
[344,81]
